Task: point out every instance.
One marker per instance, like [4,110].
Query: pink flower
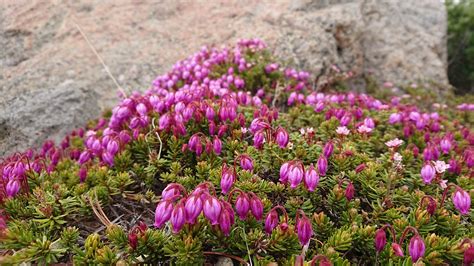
[416,248]
[394,143]
[342,131]
[363,129]
[441,166]
[462,201]
[428,172]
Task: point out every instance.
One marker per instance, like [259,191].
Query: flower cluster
[227,138]
[180,208]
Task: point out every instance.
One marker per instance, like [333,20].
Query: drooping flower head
[304,228]
[416,248]
[462,201]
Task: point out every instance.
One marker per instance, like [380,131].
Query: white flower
[309,130]
[244,130]
[443,183]
[342,131]
[302,131]
[441,166]
[364,129]
[394,143]
[397,157]
[290,145]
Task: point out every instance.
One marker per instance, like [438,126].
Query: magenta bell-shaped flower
[322,165]
[226,219]
[194,142]
[84,157]
[217,145]
[284,169]
[258,139]
[193,207]
[303,227]
[350,191]
[82,174]
[163,213]
[397,250]
[428,173]
[311,178]
[462,201]
[271,221]
[246,162]
[256,206]
[212,209]
[394,118]
[445,145]
[178,217]
[469,256]
[295,174]
[227,179]
[416,248]
[108,158]
[328,149]
[242,205]
[12,188]
[170,191]
[112,147]
[380,239]
[282,138]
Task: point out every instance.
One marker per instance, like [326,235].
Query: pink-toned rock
[398,41]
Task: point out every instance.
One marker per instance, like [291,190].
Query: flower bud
[284,169]
[416,248]
[133,240]
[304,228]
[328,149]
[311,178]
[380,239]
[225,221]
[428,173]
[163,213]
[12,188]
[469,256]
[217,145]
[258,139]
[82,174]
[397,250]
[361,167]
[193,208]
[242,206]
[322,165]
[178,217]
[271,221]
[350,190]
[246,162]
[212,209]
[256,207]
[227,179]
[295,174]
[462,201]
[282,138]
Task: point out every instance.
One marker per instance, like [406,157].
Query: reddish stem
[445,192]
[231,193]
[316,258]
[392,231]
[407,229]
[283,210]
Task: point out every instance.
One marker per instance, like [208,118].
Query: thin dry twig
[99,57]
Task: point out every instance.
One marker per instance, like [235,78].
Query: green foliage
[461,44]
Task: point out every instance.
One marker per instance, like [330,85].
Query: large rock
[398,41]
[35,116]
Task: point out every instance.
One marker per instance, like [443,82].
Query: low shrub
[230,154]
